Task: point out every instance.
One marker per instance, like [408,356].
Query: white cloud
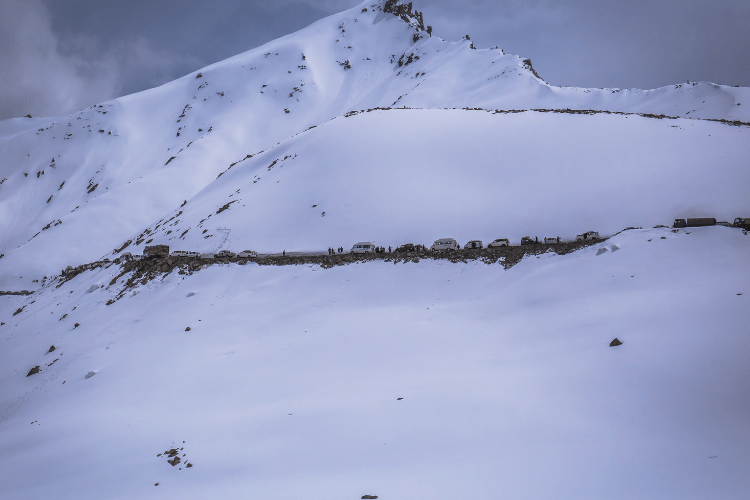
[45,74]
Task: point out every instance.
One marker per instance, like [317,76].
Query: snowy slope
[122,166]
[397,176]
[286,382]
[286,385]
[400,176]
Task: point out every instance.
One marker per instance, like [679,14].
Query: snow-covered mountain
[430,379]
[87,183]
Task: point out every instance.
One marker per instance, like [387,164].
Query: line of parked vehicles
[450,244]
[162,251]
[443,244]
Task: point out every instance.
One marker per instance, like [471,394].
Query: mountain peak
[404,11]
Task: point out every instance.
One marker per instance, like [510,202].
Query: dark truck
[697,222]
[154,251]
[742,222]
[407,247]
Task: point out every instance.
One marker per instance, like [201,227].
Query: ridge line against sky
[59,56]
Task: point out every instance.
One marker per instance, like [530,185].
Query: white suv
[363,247]
[500,242]
[590,235]
[247,254]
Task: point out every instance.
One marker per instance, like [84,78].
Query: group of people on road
[334,251]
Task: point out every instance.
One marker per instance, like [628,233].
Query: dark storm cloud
[61,55]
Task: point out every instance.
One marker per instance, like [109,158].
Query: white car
[590,235]
[248,254]
[179,253]
[500,242]
[225,254]
[473,244]
[363,247]
[445,244]
[551,241]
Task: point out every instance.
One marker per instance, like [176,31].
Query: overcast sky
[58,56]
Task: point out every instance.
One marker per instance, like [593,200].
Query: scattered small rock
[174,455]
[399,399]
[369,497]
[615,342]
[90,374]
[191,294]
[187,329]
[156,484]
[615,248]
[51,348]
[601,251]
[33,371]
[76,325]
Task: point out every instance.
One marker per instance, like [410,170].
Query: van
[473,244]
[363,247]
[551,241]
[445,244]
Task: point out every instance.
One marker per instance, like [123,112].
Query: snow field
[508,384]
[287,383]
